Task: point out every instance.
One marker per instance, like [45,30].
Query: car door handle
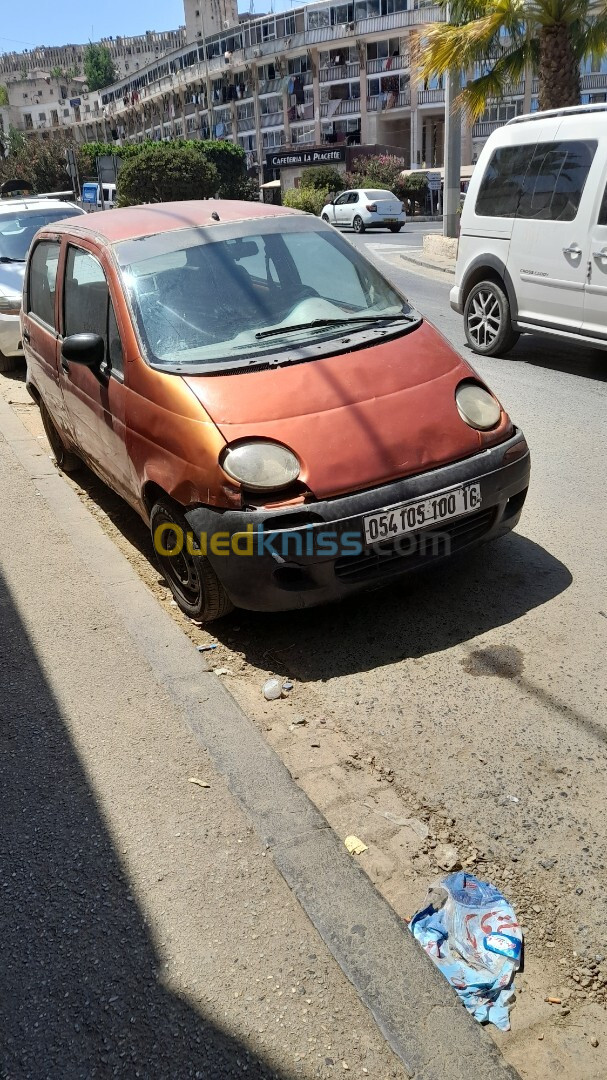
[26,335]
[573,249]
[600,254]
[65,365]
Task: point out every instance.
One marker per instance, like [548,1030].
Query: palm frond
[509,69]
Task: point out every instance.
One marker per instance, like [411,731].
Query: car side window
[42,281]
[87,306]
[502,184]
[603,211]
[353,197]
[342,198]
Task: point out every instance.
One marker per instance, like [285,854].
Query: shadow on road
[426,613]
[544,352]
[79,980]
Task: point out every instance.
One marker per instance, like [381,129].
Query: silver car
[365,208]
[20,220]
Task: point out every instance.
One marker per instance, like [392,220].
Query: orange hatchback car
[289,426]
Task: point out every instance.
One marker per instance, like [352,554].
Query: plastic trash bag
[472,934]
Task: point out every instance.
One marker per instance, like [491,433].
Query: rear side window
[603,211]
[543,183]
[43,281]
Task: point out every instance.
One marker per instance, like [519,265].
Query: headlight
[477,407]
[260,465]
[10,305]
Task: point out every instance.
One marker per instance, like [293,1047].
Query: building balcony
[594,81]
[246,123]
[384,102]
[273,119]
[339,107]
[190,108]
[270,86]
[395,63]
[339,73]
[483,128]
[430,97]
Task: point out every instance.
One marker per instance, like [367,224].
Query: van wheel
[358,224]
[66,461]
[191,578]
[487,320]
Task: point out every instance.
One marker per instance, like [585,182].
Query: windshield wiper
[333,322]
[7,259]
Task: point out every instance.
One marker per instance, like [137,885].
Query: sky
[40,22]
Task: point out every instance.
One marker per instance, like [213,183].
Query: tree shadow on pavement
[425,613]
[80,978]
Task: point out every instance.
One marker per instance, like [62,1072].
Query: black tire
[8,363]
[395,228]
[191,578]
[358,224]
[487,320]
[65,459]
[325,217]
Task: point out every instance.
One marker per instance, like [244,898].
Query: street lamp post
[453,151]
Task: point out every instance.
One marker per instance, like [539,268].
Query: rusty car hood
[354,420]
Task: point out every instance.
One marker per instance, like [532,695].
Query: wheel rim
[484,318]
[180,569]
[357,224]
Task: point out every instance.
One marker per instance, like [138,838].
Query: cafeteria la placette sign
[305,157]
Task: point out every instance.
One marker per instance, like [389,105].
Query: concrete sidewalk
[157,927]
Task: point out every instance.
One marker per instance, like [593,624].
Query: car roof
[7,205]
[113,226]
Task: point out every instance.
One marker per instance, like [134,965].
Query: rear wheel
[66,460]
[190,577]
[487,320]
[395,228]
[8,363]
[358,224]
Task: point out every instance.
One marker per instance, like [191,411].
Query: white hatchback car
[366,208]
[20,219]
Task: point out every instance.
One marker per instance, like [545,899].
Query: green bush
[164,172]
[416,181]
[305,198]
[323,178]
[228,158]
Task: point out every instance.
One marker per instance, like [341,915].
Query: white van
[532,254]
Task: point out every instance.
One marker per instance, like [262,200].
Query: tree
[505,39]
[309,199]
[99,67]
[379,171]
[323,178]
[3,96]
[38,161]
[164,172]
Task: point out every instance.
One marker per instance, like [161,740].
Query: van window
[555,180]
[502,185]
[544,182]
[603,211]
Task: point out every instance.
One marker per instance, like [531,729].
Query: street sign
[434,181]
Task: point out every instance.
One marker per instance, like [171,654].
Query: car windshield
[235,292]
[17,230]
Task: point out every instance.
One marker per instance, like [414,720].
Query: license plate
[422,513]
[390,220]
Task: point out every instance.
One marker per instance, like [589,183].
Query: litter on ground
[472,934]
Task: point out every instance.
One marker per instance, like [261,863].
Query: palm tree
[503,40]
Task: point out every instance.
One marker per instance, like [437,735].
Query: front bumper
[280,574]
[454,299]
[10,336]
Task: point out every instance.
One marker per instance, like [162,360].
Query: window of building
[42,281]
[42,117]
[29,123]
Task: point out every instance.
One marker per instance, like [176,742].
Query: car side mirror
[86,349]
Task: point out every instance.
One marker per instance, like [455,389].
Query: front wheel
[190,576]
[358,224]
[487,320]
[325,217]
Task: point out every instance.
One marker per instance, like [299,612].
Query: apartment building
[128,53]
[328,75]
